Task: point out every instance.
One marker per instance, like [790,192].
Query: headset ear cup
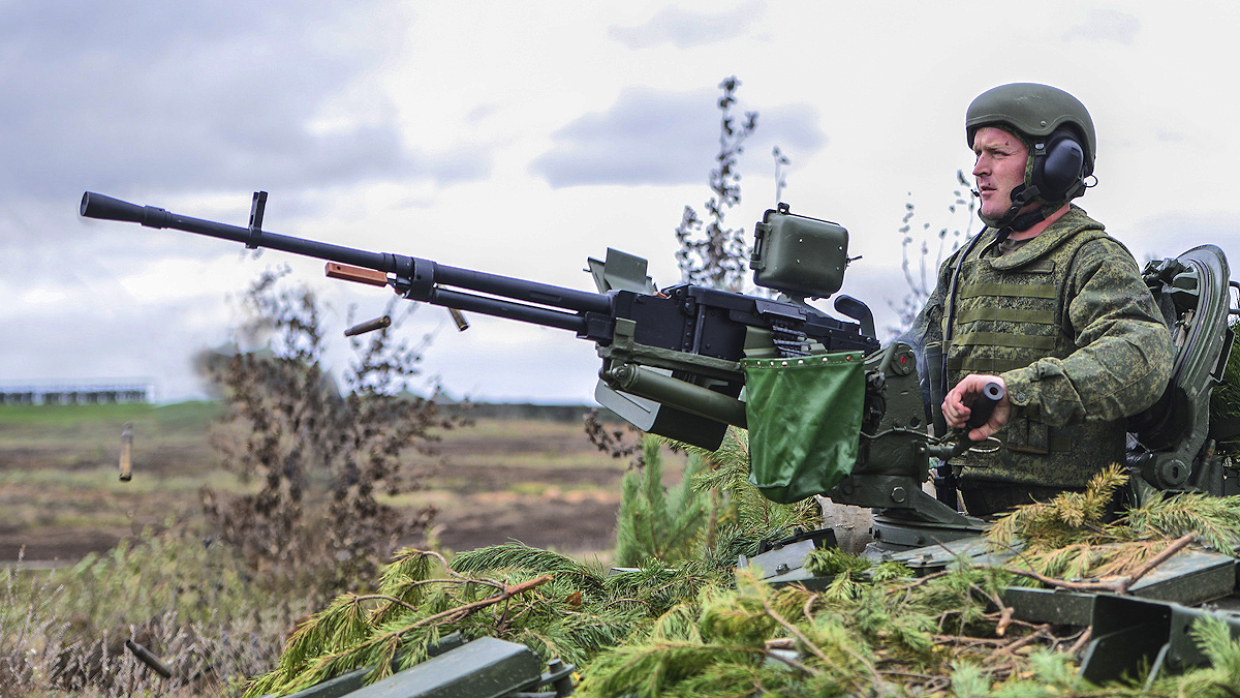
[1062,169]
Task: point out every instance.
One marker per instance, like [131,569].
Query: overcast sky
[523,137]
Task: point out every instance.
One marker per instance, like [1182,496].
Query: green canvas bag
[804,417]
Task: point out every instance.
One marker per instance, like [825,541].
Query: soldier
[1044,302]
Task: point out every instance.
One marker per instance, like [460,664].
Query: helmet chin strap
[1013,221]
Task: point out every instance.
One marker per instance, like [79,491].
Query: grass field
[90,563]
[540,482]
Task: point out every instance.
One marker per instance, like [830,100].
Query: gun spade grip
[984,404]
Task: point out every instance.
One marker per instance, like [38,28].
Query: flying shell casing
[126,463]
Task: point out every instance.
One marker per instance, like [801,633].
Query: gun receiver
[670,358]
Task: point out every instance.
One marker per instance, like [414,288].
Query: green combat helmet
[1060,135]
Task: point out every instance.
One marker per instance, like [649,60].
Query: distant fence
[80,394]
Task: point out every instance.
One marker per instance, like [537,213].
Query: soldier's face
[999,168]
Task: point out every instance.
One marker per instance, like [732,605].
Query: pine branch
[1071,517]
[1160,558]
[461,612]
[523,557]
[1120,586]
[390,599]
[792,662]
[1216,519]
[805,642]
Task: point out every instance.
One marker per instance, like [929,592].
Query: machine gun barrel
[107,208]
[416,279]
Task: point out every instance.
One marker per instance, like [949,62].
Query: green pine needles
[713,508]
[688,632]
[699,628]
[1071,538]
[654,522]
[556,606]
[744,509]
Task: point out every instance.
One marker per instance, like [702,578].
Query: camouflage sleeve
[1124,354]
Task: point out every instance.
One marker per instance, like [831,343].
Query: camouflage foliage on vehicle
[704,629]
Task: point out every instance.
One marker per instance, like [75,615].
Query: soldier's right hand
[956,405]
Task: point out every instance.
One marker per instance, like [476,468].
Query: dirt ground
[539,483]
[576,522]
[579,523]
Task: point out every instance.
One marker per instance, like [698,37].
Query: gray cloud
[651,137]
[1107,25]
[1172,234]
[199,95]
[684,29]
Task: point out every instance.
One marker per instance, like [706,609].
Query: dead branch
[1005,612]
[1005,619]
[965,640]
[460,612]
[1063,583]
[807,609]
[384,597]
[815,649]
[780,643]
[1039,633]
[792,662]
[1122,585]
[1175,547]
[1080,641]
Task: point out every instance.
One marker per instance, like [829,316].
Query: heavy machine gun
[670,357]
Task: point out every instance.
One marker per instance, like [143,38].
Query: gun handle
[983,405]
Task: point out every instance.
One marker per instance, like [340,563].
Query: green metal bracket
[483,668]
[345,684]
[784,563]
[1131,634]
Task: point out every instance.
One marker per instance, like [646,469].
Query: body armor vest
[1011,311]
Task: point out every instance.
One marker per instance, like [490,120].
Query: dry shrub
[321,453]
[191,603]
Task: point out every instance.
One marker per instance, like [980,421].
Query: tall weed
[190,602]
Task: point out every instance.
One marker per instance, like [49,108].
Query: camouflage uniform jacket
[1070,326]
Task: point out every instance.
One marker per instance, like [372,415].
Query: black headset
[1059,166]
